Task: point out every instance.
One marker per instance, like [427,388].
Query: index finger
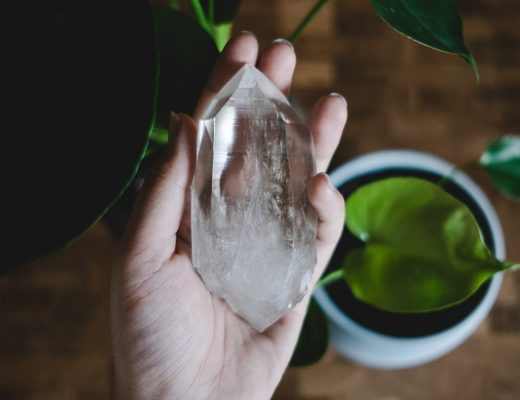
[242,49]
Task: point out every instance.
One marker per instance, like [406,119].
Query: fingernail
[334,94]
[332,188]
[247,33]
[284,41]
[175,123]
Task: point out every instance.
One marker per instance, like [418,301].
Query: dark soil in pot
[396,324]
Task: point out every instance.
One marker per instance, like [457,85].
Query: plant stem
[330,278]
[293,37]
[199,12]
[219,32]
[511,267]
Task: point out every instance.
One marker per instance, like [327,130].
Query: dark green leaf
[501,160]
[225,10]
[314,337]
[78,87]
[424,249]
[436,24]
[187,54]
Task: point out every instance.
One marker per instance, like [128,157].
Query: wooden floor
[54,336]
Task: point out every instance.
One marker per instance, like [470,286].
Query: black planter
[397,324]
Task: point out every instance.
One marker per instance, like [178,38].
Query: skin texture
[171,338]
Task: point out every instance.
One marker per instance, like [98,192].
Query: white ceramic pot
[377,350]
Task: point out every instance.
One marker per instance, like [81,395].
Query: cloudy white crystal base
[253,229]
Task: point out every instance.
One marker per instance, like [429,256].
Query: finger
[240,50]
[327,123]
[277,62]
[330,209]
[159,208]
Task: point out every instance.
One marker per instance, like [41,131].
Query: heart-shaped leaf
[314,337]
[187,54]
[435,24]
[501,160]
[78,87]
[424,249]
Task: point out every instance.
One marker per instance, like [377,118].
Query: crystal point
[253,229]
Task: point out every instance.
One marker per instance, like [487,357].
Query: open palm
[171,338]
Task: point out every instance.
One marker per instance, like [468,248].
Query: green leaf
[159,136]
[187,54]
[225,10]
[314,337]
[501,160]
[78,87]
[424,249]
[435,24]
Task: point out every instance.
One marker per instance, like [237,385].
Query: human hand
[171,338]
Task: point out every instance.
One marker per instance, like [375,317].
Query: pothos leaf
[78,90]
[424,249]
[501,160]
[435,24]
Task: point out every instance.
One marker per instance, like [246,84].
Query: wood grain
[54,340]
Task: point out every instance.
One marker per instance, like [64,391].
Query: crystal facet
[253,230]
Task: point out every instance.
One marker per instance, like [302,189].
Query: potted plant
[395,336]
[419,265]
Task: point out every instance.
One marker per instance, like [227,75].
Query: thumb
[155,220]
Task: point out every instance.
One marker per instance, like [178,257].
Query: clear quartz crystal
[253,229]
